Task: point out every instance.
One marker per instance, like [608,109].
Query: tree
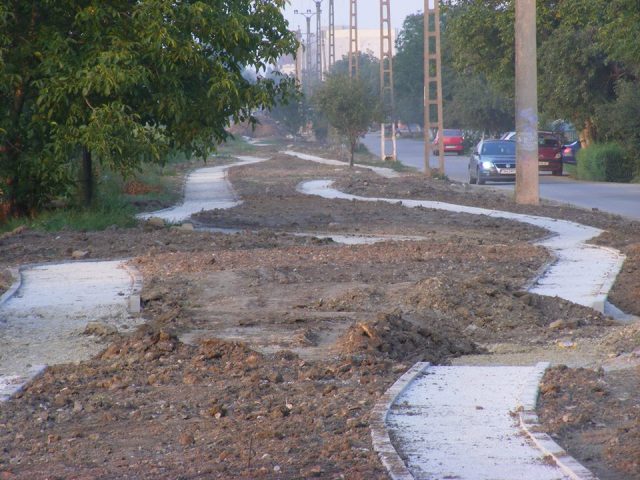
[349,106]
[126,81]
[469,100]
[368,70]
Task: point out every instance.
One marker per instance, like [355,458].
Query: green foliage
[349,106]
[408,71]
[605,162]
[470,101]
[620,120]
[129,81]
[368,70]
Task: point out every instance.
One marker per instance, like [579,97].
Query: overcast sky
[368,12]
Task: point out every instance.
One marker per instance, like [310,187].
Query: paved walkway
[43,322]
[462,423]
[205,189]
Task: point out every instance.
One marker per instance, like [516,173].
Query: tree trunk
[87,177]
[588,134]
[352,146]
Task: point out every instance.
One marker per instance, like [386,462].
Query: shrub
[607,162]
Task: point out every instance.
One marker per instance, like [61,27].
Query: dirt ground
[264,351]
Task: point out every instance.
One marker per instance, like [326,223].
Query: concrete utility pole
[318,41]
[299,55]
[332,34]
[386,83]
[353,39]
[432,82]
[527,181]
[306,71]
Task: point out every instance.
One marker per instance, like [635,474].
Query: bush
[607,162]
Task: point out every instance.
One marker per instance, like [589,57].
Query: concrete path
[468,423]
[581,273]
[205,189]
[383,172]
[43,322]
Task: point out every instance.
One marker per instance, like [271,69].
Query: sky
[368,12]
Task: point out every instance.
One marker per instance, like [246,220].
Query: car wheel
[481,181]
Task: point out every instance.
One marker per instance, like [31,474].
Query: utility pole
[306,72]
[318,41]
[527,181]
[386,82]
[354,70]
[432,83]
[332,34]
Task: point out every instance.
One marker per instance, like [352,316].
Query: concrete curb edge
[387,453]
[529,422]
[17,283]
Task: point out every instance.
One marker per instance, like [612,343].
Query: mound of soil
[598,415]
[391,336]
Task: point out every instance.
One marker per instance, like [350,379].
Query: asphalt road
[618,198]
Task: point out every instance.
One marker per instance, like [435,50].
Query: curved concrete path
[468,423]
[205,189]
[43,321]
[581,273]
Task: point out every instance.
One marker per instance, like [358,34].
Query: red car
[549,153]
[452,140]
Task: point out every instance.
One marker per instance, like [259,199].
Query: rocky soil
[264,351]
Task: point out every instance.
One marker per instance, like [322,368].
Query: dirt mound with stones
[392,336]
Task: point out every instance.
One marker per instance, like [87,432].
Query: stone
[156,222]
[80,254]
[99,329]
[557,325]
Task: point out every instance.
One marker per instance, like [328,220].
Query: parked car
[549,153]
[570,152]
[493,160]
[452,141]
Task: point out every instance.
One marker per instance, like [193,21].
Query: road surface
[618,198]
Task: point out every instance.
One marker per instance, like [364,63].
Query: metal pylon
[432,82]
[318,41]
[353,39]
[332,34]
[386,82]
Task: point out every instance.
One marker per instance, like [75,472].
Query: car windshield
[452,133]
[548,142]
[499,148]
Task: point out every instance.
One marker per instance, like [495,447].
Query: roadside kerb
[378,424]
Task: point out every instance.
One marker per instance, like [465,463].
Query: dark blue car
[570,152]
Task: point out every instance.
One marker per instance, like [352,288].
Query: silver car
[494,161]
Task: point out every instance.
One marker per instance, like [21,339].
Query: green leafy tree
[368,70]
[470,101]
[123,82]
[349,106]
